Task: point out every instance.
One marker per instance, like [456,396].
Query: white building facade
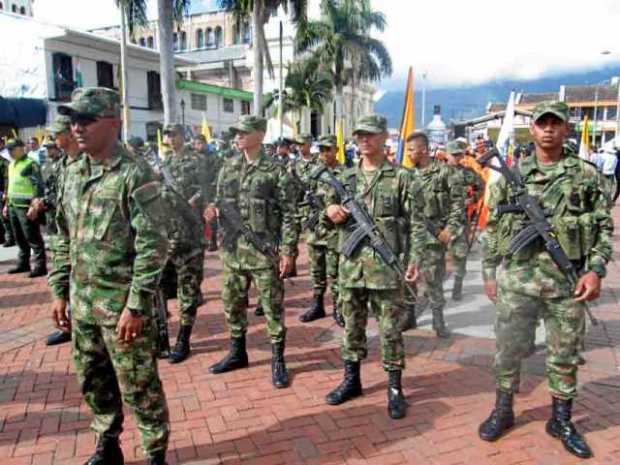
[49,62]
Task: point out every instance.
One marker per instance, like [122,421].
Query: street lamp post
[607,52]
[183,112]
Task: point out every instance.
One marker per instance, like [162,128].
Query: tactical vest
[21,190]
[568,203]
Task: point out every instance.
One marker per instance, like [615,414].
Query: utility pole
[124,73]
[423,99]
[281,86]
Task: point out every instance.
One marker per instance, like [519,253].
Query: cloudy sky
[455,42]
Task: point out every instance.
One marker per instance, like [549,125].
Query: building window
[175,41]
[200,39]
[150,42]
[245,107]
[63,76]
[22,10]
[105,74]
[142,42]
[1,6]
[247,33]
[219,36]
[243,34]
[153,86]
[589,112]
[14,8]
[183,40]
[210,38]
[612,113]
[199,102]
[229,105]
[575,112]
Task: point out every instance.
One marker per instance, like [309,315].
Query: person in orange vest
[25,185]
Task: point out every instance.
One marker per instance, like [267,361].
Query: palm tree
[341,41]
[168,11]
[260,11]
[305,87]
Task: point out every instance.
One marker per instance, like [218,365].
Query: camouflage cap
[559,109]
[12,143]
[172,128]
[93,101]
[249,123]
[50,144]
[456,146]
[61,124]
[328,141]
[373,124]
[304,138]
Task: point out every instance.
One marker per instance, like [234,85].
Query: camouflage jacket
[474,186]
[187,171]
[211,165]
[391,199]
[262,192]
[326,233]
[302,169]
[442,200]
[572,192]
[110,243]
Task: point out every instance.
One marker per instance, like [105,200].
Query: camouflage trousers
[270,290]
[109,371]
[323,265]
[518,313]
[387,306]
[458,251]
[190,272]
[433,268]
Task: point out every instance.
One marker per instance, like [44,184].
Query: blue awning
[22,112]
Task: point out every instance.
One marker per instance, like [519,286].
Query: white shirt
[608,164]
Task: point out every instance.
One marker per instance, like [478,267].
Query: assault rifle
[187,213]
[233,225]
[316,204]
[538,226]
[161,323]
[363,228]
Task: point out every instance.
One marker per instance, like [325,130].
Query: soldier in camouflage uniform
[444,217]
[186,170]
[528,285]
[459,246]
[109,257]
[365,281]
[135,146]
[211,165]
[60,130]
[6,232]
[260,190]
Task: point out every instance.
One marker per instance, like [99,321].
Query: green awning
[204,88]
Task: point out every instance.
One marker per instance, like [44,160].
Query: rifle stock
[161,324]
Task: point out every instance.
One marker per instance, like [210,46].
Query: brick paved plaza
[239,418]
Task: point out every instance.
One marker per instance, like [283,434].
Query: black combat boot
[236,358]
[316,310]
[502,418]
[39,270]
[457,290]
[439,325]
[397,405]
[212,244]
[258,311]
[21,268]
[58,337]
[559,426]
[181,348]
[338,318]
[350,387]
[412,321]
[159,458]
[9,243]
[279,374]
[108,452]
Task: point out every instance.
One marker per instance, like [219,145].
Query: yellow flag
[15,136]
[205,130]
[160,144]
[584,147]
[340,141]
[408,123]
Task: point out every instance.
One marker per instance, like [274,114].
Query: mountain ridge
[458,103]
